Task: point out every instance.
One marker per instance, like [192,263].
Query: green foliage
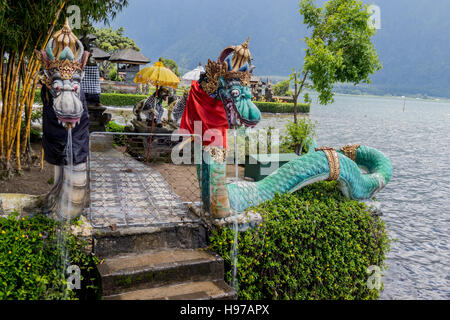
[111,40]
[35,134]
[37,96]
[112,75]
[298,135]
[282,88]
[120,99]
[171,64]
[339,48]
[281,107]
[306,98]
[313,244]
[126,99]
[29,258]
[119,140]
[28,21]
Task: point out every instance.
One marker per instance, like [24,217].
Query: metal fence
[143,179]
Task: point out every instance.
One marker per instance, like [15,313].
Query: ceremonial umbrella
[194,74]
[158,75]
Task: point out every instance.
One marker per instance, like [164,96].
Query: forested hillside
[413,42]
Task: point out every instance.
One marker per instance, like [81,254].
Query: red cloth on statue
[210,112]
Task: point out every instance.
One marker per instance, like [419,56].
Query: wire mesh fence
[143,179]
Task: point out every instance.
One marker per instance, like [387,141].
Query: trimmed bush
[313,244]
[120,99]
[281,107]
[109,99]
[124,99]
[29,258]
[282,88]
[119,140]
[298,136]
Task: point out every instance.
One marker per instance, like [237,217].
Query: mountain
[413,43]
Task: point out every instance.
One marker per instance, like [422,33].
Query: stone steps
[110,243]
[199,290]
[160,263]
[157,269]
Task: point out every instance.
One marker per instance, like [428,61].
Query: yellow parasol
[158,75]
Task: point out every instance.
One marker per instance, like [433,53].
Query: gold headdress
[234,68]
[63,52]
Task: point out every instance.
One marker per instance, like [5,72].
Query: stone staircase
[151,244]
[167,263]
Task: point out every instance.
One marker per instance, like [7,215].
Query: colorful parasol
[158,75]
[194,74]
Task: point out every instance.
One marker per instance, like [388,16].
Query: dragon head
[228,80]
[237,100]
[63,61]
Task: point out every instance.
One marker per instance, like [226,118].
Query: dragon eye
[235,93]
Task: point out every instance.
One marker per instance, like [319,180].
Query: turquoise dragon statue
[226,82]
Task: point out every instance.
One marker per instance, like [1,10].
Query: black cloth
[54,138]
[92,97]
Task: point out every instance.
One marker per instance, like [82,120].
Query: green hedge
[124,99]
[313,244]
[281,107]
[29,256]
[109,99]
[120,99]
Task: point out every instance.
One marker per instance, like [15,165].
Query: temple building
[128,62]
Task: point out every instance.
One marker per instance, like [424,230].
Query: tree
[111,40]
[24,27]
[171,64]
[339,49]
[282,88]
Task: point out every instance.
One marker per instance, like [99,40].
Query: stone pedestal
[97,118]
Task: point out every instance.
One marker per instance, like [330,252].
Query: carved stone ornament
[333,162]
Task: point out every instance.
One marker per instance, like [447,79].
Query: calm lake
[416,202]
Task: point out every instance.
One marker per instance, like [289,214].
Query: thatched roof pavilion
[129,56]
[130,60]
[100,55]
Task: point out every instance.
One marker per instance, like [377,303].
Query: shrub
[313,244]
[29,258]
[281,107]
[125,99]
[298,136]
[37,96]
[281,88]
[119,140]
[112,75]
[120,99]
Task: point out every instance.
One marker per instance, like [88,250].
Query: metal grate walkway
[127,193]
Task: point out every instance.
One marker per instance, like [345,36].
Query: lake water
[416,202]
